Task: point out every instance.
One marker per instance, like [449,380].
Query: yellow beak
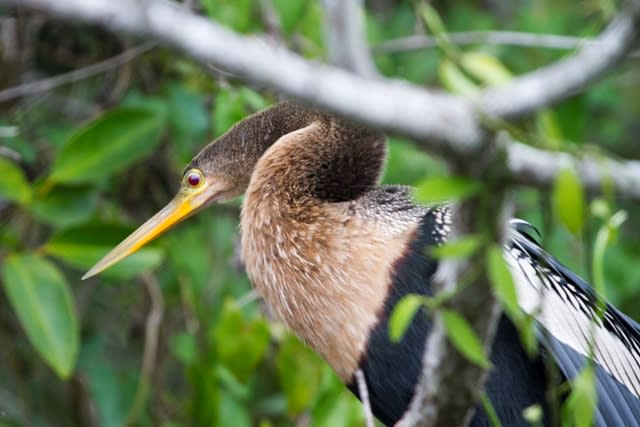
[185,204]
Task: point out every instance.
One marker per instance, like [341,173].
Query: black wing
[393,369]
[565,308]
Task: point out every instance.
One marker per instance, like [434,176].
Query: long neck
[309,249]
[326,160]
[233,156]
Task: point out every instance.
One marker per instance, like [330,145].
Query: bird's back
[569,331]
[392,369]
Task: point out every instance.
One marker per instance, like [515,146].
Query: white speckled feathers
[566,311]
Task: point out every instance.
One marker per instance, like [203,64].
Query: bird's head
[220,172]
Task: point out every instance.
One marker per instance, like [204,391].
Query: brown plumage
[317,244]
[332,252]
[329,249]
[324,266]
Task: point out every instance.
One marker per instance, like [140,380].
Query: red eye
[193,179]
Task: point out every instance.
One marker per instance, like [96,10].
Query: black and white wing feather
[566,311]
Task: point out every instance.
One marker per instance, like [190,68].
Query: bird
[332,251]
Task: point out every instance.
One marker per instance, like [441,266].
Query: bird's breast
[327,278]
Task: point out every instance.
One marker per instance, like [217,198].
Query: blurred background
[95,129]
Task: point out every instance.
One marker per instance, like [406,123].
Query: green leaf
[441,189]
[600,209]
[184,347]
[64,206]
[233,412]
[434,23]
[604,236]
[290,13]
[486,68]
[406,163]
[582,402]
[108,144]
[236,14]
[311,27]
[41,298]
[490,410]
[300,373]
[460,248]
[464,338]
[234,104]
[229,109]
[187,112]
[502,281]
[533,414]
[111,381]
[335,406]
[240,343]
[84,245]
[549,128]
[402,315]
[455,80]
[253,99]
[569,200]
[13,184]
[189,120]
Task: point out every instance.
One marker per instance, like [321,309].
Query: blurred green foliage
[90,161]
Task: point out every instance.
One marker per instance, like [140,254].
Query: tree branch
[549,84]
[463,38]
[443,124]
[532,166]
[496,38]
[345,34]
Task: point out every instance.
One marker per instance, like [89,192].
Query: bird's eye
[193,178]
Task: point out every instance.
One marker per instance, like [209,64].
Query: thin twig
[363,391]
[10,153]
[509,38]
[152,334]
[271,20]
[47,84]
[495,38]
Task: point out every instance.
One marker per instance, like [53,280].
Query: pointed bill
[185,204]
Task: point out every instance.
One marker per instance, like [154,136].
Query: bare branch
[496,38]
[443,124]
[532,166]
[549,84]
[152,336]
[44,85]
[345,34]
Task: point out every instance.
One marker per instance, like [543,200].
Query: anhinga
[332,252]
